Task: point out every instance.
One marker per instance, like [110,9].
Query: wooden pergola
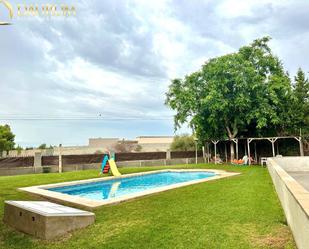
[272,140]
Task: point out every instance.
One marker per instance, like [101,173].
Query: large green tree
[6,138]
[232,95]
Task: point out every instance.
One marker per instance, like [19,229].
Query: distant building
[101,145]
[141,143]
[155,139]
[154,143]
[103,142]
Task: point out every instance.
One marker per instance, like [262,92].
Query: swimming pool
[96,192]
[115,188]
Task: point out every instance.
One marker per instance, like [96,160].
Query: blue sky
[115,59]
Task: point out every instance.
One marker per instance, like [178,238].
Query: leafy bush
[183,142]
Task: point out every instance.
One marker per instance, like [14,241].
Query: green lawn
[237,212]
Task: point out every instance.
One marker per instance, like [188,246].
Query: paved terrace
[302,177]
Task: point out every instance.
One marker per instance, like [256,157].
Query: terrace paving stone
[302,177]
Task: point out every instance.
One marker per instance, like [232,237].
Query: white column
[248,144]
[301,149]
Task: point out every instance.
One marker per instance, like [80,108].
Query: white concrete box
[44,219]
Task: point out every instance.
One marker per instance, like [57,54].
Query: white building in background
[101,145]
[154,143]
[103,142]
[145,143]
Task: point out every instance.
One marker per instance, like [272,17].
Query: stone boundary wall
[72,159]
[185,154]
[293,197]
[120,157]
[41,160]
[78,167]
[67,150]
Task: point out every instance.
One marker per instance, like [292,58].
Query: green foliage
[6,138]
[19,149]
[46,169]
[301,87]
[301,101]
[183,142]
[246,93]
[42,147]
[123,146]
[138,148]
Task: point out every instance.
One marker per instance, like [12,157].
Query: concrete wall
[293,197]
[72,150]
[161,162]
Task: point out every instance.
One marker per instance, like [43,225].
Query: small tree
[19,149]
[301,101]
[138,148]
[123,146]
[183,142]
[6,138]
[42,147]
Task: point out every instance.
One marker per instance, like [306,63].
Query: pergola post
[248,144]
[273,148]
[215,143]
[301,148]
[273,140]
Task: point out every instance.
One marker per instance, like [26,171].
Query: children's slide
[113,167]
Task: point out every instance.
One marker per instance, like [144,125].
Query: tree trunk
[232,150]
[232,134]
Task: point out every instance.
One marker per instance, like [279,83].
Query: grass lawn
[237,212]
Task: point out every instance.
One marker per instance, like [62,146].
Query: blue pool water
[104,190]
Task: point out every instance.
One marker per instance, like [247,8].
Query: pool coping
[294,200]
[42,190]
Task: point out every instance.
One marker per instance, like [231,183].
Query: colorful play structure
[109,164]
